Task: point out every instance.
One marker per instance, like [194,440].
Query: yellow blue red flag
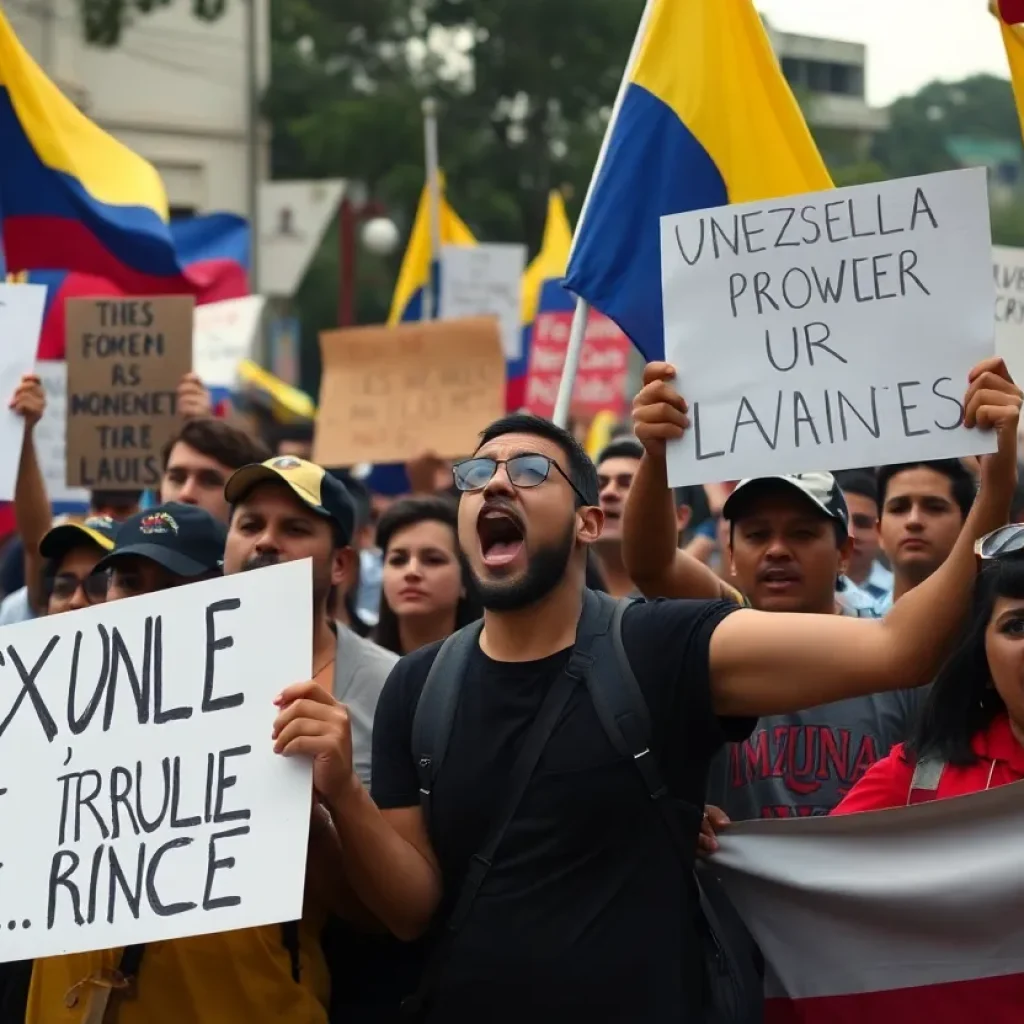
[418,265]
[704,118]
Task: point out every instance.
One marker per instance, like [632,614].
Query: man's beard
[544,571]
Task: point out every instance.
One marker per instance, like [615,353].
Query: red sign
[1011,11]
[604,363]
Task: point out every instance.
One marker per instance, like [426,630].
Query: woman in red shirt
[970,734]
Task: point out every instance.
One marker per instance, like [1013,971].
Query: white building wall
[173,90]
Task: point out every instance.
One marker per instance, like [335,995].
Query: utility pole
[252,82]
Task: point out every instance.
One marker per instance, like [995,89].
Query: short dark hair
[960,480]
[219,440]
[301,433]
[114,499]
[582,472]
[408,512]
[858,481]
[621,448]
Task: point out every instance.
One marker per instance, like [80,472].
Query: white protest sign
[223,335]
[140,797]
[829,330]
[1008,271]
[51,434]
[485,280]
[21,322]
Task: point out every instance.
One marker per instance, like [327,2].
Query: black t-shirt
[586,908]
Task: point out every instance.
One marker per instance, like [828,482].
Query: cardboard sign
[21,321]
[126,358]
[224,334]
[829,330]
[51,435]
[388,394]
[140,796]
[604,365]
[486,280]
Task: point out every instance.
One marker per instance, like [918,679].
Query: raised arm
[772,663]
[650,531]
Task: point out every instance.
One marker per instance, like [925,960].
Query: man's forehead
[919,482]
[617,464]
[183,454]
[509,445]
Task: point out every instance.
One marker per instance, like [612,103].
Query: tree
[104,20]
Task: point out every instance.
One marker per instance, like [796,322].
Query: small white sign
[140,796]
[21,322]
[51,434]
[829,330]
[1008,271]
[223,335]
[486,280]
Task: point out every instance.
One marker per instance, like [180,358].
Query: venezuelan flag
[418,266]
[71,195]
[548,265]
[1013,40]
[704,118]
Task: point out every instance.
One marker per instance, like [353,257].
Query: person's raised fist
[29,399]
[660,413]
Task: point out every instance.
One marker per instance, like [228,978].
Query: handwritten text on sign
[141,797]
[390,393]
[604,364]
[829,330]
[125,359]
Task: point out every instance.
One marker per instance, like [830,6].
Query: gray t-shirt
[803,764]
[360,672]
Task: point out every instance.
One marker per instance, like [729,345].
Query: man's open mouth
[501,535]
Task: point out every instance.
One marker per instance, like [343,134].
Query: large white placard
[829,330]
[1008,271]
[140,797]
[486,280]
[223,335]
[51,434]
[21,322]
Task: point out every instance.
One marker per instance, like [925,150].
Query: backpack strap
[290,941]
[924,786]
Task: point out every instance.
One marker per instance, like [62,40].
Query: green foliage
[103,20]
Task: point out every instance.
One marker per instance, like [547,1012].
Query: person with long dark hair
[427,592]
[969,735]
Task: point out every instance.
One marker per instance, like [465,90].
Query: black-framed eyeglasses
[1007,540]
[65,585]
[523,471]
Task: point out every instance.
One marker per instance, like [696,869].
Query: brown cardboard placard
[388,394]
[125,360]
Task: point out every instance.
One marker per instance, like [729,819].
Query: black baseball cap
[317,489]
[820,489]
[99,531]
[185,539]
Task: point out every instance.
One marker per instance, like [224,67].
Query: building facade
[174,90]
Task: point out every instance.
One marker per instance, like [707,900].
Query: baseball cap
[185,539]
[317,489]
[820,489]
[98,530]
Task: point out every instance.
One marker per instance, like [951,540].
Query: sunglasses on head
[524,471]
[1007,540]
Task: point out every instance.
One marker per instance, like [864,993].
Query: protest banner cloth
[913,914]
[1008,272]
[388,393]
[51,435]
[600,384]
[126,358]
[834,329]
[21,321]
[486,280]
[223,336]
[140,796]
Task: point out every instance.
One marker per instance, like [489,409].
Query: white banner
[1008,271]
[223,334]
[829,330]
[140,797]
[21,322]
[486,280]
[51,434]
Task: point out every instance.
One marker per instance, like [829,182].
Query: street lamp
[379,236]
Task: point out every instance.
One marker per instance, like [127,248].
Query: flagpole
[431,301]
[577,333]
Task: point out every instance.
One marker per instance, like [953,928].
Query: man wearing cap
[789,543]
[72,551]
[166,546]
[287,509]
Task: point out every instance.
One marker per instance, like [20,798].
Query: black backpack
[734,967]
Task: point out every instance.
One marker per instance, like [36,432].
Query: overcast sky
[910,42]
